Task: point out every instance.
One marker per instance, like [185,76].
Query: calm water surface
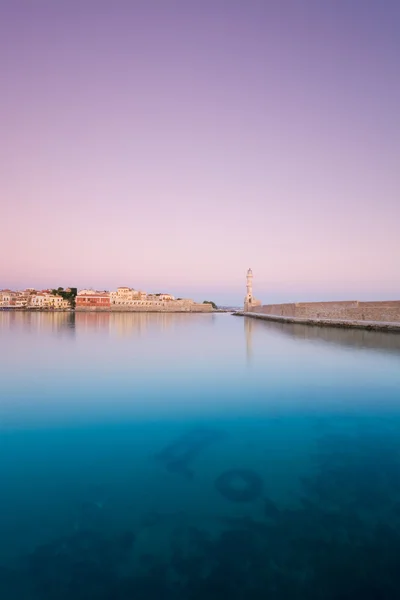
[156,456]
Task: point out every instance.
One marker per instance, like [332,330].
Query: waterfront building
[6,298]
[128,299]
[88,291]
[58,302]
[123,299]
[92,299]
[29,298]
[38,300]
[125,296]
[22,299]
[48,300]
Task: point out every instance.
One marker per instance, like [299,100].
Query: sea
[197,457]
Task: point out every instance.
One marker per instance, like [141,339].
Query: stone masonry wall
[167,307]
[388,311]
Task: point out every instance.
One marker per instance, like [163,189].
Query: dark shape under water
[358,473]
[84,565]
[303,554]
[178,456]
[239,485]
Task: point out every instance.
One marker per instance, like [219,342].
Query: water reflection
[126,324]
[30,321]
[248,331]
[350,338]
[143,459]
[120,324]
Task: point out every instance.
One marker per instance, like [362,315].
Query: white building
[22,299]
[87,292]
[46,300]
[6,298]
[125,296]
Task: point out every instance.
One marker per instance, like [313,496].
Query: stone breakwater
[388,311]
[363,315]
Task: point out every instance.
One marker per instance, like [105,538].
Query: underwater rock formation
[84,565]
[239,485]
[178,457]
[330,544]
[359,472]
[305,552]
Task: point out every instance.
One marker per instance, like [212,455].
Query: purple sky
[169,145]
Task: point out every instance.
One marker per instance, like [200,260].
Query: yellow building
[46,300]
[6,298]
[125,296]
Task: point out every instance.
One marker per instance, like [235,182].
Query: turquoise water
[156,456]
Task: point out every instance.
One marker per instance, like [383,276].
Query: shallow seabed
[178,456]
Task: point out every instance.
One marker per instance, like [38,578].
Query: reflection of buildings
[120,323]
[136,323]
[85,321]
[38,321]
[124,324]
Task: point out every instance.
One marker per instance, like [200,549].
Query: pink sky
[169,148]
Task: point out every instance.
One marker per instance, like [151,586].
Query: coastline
[338,323]
[106,310]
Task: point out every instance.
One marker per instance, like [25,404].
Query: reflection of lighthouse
[250,302]
[248,331]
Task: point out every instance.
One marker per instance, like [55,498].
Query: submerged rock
[178,456]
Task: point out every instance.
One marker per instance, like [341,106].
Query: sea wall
[167,307]
[353,310]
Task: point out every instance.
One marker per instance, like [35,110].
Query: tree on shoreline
[68,294]
[215,307]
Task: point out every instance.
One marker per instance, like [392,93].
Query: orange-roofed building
[91,299]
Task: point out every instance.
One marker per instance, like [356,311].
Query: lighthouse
[249,288]
[250,301]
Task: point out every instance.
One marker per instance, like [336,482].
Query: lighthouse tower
[248,301]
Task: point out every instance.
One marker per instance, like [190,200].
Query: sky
[168,145]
